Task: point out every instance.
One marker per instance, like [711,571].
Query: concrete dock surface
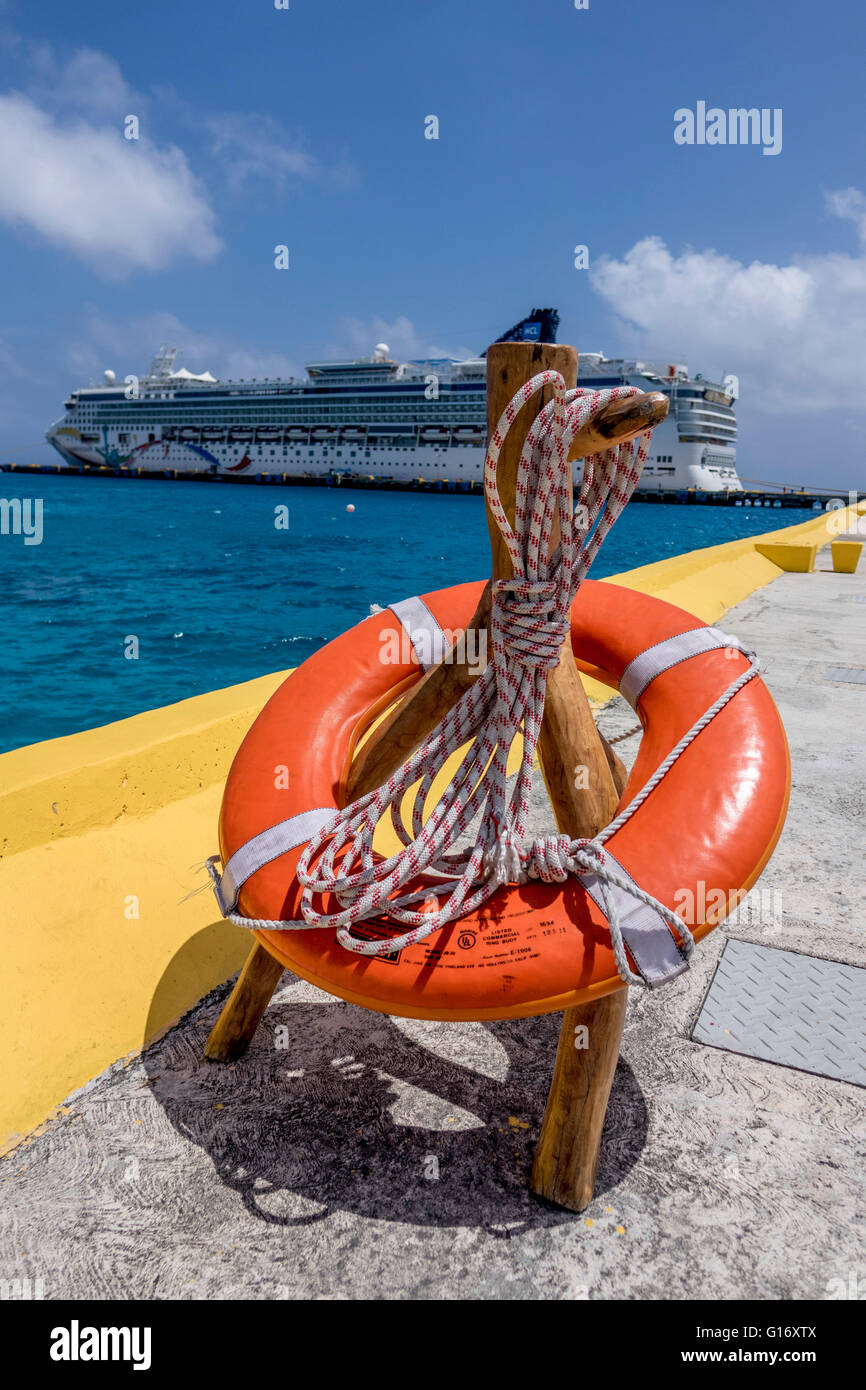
[351,1155]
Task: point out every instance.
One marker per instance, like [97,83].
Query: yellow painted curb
[102,831]
[66,786]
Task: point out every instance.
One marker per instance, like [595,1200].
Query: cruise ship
[400,422]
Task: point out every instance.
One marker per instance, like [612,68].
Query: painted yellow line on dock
[105,824]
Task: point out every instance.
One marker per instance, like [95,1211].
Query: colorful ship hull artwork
[398,422]
[150,454]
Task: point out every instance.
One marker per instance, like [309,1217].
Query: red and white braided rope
[427,884]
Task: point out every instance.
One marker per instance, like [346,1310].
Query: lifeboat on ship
[469,434]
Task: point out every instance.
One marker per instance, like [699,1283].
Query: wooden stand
[243,1010]
[566,1158]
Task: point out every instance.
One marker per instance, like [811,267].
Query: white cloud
[67,173]
[119,205]
[358,337]
[251,147]
[850,203]
[127,345]
[12,366]
[795,334]
[86,81]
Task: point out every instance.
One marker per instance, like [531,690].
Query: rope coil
[427,883]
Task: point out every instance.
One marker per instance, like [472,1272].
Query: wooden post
[569,738]
[405,728]
[566,1158]
[243,1010]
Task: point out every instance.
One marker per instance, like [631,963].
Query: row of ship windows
[283,409]
[358,454]
[259,448]
[317,398]
[302,417]
[326,403]
[725,417]
[690,422]
[395,463]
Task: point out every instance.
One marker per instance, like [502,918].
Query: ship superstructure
[378,417]
[696,446]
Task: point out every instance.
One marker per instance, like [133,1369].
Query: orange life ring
[537,948]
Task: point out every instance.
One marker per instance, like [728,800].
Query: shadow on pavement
[335,1108]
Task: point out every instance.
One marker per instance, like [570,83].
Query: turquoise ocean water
[216,594]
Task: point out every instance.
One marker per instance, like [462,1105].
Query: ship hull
[695,466]
[422,421]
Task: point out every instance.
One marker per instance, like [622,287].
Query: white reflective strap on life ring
[430,644]
[425,633]
[656,954]
[264,847]
[652,662]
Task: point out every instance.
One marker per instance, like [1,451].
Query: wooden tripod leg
[242,1012]
[567,1155]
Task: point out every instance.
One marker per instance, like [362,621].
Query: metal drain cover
[850,675]
[787,1008]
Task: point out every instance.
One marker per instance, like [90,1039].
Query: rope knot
[502,860]
[553,857]
[549,858]
[529,623]
[592,849]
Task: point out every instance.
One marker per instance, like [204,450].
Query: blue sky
[306,127]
